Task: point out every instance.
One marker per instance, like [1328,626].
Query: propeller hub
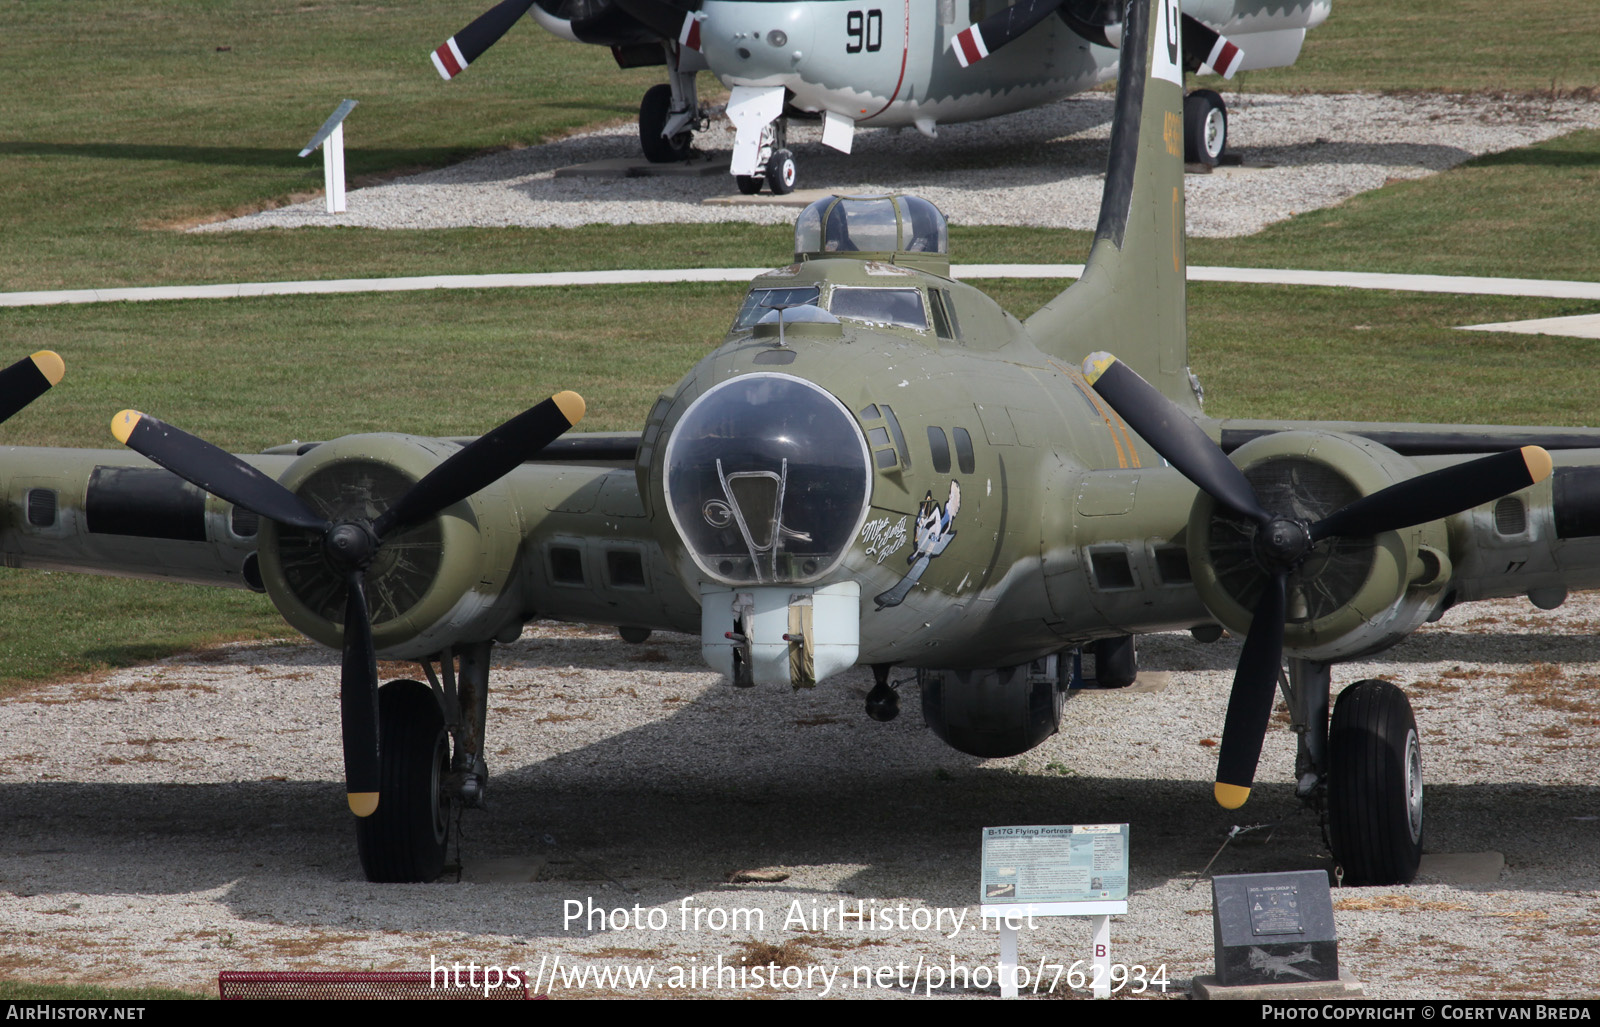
[351,545]
[1282,543]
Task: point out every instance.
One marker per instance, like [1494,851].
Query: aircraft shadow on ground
[672,807]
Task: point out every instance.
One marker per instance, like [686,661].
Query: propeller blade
[358,702]
[484,461]
[973,44]
[1250,703]
[1172,433]
[215,470]
[1206,45]
[1428,497]
[27,380]
[461,49]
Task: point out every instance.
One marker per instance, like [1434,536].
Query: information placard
[1054,863]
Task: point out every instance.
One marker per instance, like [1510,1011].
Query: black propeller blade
[215,470]
[351,545]
[978,41]
[466,46]
[27,380]
[1282,543]
[1203,44]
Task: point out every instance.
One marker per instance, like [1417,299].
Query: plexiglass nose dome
[767,480]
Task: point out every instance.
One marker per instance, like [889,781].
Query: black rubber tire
[654,110]
[749,184]
[781,173]
[1375,785]
[990,713]
[404,840]
[1205,127]
[1115,662]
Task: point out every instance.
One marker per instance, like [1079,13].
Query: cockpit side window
[759,301]
[900,307]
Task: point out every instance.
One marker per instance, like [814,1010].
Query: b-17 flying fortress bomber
[878,465]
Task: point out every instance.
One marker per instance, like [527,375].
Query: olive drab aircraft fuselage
[876,466]
[885,63]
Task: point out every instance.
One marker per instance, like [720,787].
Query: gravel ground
[1042,167]
[171,821]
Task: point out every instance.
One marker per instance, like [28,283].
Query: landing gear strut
[775,166]
[670,114]
[1364,772]
[422,783]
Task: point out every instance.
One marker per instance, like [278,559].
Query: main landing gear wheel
[1375,785]
[781,173]
[404,839]
[654,111]
[1205,127]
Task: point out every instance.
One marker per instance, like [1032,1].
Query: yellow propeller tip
[362,804]
[571,405]
[1095,365]
[1230,796]
[123,424]
[1539,463]
[50,365]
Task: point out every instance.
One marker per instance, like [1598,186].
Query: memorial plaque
[1274,928]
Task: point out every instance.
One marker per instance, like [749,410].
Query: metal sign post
[331,138]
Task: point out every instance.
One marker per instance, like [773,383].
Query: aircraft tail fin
[1130,300]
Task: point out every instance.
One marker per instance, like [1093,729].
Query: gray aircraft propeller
[1283,543]
[1095,20]
[651,19]
[349,546]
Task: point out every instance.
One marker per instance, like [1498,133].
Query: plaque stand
[1099,915]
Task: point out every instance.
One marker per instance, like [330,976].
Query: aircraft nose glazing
[767,480]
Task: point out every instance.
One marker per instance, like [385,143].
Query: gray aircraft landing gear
[1362,772]
[420,783]
[670,115]
[1205,127]
[774,163]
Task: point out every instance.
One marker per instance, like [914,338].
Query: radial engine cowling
[608,22]
[1350,596]
[444,581]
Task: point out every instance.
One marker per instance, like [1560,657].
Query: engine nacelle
[607,22]
[439,583]
[1350,596]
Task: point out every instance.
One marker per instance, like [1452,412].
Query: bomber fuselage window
[964,456]
[900,307]
[940,446]
[758,301]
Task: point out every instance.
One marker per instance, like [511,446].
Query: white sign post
[331,138]
[1055,870]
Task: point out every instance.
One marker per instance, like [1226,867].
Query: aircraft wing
[564,537]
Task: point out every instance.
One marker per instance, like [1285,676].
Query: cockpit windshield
[761,301]
[899,307]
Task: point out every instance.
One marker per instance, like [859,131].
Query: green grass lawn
[122,122]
